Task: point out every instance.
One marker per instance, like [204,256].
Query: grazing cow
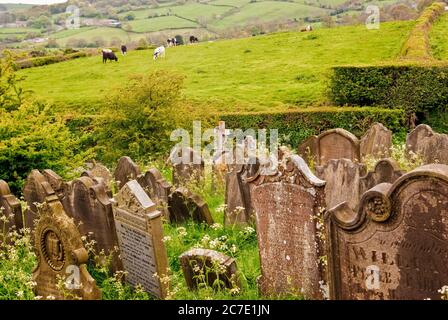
[193,39]
[109,55]
[307,28]
[159,52]
[124,50]
[171,42]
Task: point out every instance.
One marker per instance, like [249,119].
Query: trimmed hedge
[415,88]
[42,61]
[296,126]
[417,45]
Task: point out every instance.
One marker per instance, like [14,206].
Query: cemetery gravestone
[386,170]
[210,264]
[184,205]
[140,234]
[431,146]
[97,169]
[396,245]
[35,191]
[126,170]
[287,205]
[342,179]
[92,207]
[157,188]
[61,256]
[11,209]
[191,168]
[376,142]
[331,144]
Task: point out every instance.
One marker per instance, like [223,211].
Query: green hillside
[271,72]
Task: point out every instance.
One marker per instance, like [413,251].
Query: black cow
[109,55]
[193,39]
[124,50]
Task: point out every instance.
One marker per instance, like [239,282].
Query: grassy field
[438,38]
[271,72]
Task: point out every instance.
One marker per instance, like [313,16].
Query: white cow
[159,52]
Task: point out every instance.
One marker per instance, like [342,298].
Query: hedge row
[42,61]
[296,126]
[417,45]
[415,88]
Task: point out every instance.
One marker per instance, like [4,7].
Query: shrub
[414,87]
[296,126]
[42,61]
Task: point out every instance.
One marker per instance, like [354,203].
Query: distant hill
[110,23]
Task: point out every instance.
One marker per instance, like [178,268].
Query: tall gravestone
[35,191]
[11,209]
[331,144]
[385,170]
[97,169]
[342,178]
[61,256]
[287,205]
[93,208]
[239,209]
[191,168]
[125,171]
[376,142]
[140,236]
[184,205]
[431,146]
[157,188]
[396,245]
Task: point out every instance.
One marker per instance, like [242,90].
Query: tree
[11,95]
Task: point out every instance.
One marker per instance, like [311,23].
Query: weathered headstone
[331,144]
[97,169]
[206,266]
[157,188]
[287,205]
[92,207]
[239,209]
[126,171]
[55,181]
[11,209]
[431,146]
[35,191]
[342,178]
[140,236]
[386,170]
[184,205]
[396,245]
[190,168]
[376,142]
[61,256]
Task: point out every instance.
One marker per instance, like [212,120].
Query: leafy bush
[296,126]
[414,87]
[140,117]
[42,61]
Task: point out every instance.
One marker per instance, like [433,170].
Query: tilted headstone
[140,237]
[342,179]
[55,181]
[287,205]
[331,144]
[97,169]
[126,171]
[187,166]
[11,209]
[157,188]
[36,190]
[210,264]
[184,205]
[386,170]
[431,146]
[376,142]
[239,209]
[93,208]
[396,245]
[61,256]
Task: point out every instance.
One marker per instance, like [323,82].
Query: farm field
[272,72]
[161,23]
